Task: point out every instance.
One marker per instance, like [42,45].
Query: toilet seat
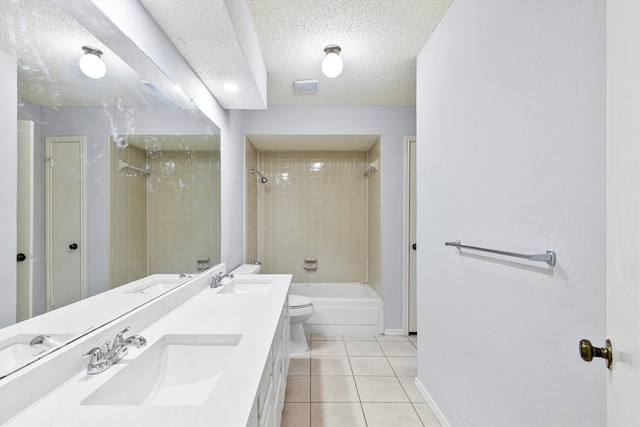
[298,301]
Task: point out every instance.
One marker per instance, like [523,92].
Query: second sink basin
[247,286]
[18,350]
[156,284]
[178,370]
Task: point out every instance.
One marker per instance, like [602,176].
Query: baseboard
[434,408]
[395,332]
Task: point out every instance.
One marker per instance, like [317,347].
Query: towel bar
[549,257]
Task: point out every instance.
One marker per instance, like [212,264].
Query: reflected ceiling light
[332,63]
[91,63]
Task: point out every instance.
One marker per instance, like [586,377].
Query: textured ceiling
[380,40]
[48,44]
[203,33]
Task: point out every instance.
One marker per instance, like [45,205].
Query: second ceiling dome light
[332,63]
[91,63]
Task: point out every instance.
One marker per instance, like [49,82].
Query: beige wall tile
[314,206]
[166,221]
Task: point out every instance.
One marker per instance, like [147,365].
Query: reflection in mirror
[164,214]
[122,109]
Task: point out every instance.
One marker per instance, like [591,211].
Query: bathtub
[342,308]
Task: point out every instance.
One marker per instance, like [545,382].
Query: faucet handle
[97,356]
[136,340]
[215,280]
[118,340]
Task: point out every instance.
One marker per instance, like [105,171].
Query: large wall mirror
[146,175]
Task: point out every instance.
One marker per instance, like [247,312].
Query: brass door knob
[588,352]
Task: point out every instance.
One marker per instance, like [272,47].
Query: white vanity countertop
[254,316]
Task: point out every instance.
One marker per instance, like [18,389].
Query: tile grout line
[364,416]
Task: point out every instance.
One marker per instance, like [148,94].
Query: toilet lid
[298,301]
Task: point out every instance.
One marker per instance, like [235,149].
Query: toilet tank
[247,269]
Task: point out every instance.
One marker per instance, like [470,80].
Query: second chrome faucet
[102,360]
[216,280]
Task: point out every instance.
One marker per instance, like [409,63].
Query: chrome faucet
[216,280]
[44,340]
[102,360]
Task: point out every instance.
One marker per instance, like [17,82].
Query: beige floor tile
[298,389]
[391,415]
[395,338]
[404,366]
[409,385]
[363,348]
[371,365]
[333,389]
[326,337]
[328,348]
[392,348]
[337,415]
[299,366]
[330,365]
[358,337]
[380,389]
[426,415]
[296,415]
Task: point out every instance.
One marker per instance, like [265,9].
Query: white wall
[392,124]
[8,187]
[511,155]
[232,191]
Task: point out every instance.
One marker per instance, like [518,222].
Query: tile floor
[355,380]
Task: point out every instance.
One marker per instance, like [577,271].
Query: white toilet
[300,309]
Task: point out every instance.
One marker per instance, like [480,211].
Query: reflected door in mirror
[24,246]
[65,180]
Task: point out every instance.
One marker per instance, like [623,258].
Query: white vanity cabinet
[250,314]
[267,410]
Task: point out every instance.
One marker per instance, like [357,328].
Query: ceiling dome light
[332,63]
[91,63]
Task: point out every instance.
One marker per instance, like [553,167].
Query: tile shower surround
[315,205]
[149,217]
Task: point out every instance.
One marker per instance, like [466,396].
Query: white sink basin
[157,284]
[247,286]
[178,370]
[16,351]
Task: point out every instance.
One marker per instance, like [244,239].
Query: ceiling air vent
[306,86]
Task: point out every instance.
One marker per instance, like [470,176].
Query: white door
[65,221]
[24,244]
[623,211]
[413,287]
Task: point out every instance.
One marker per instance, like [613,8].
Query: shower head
[263,179]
